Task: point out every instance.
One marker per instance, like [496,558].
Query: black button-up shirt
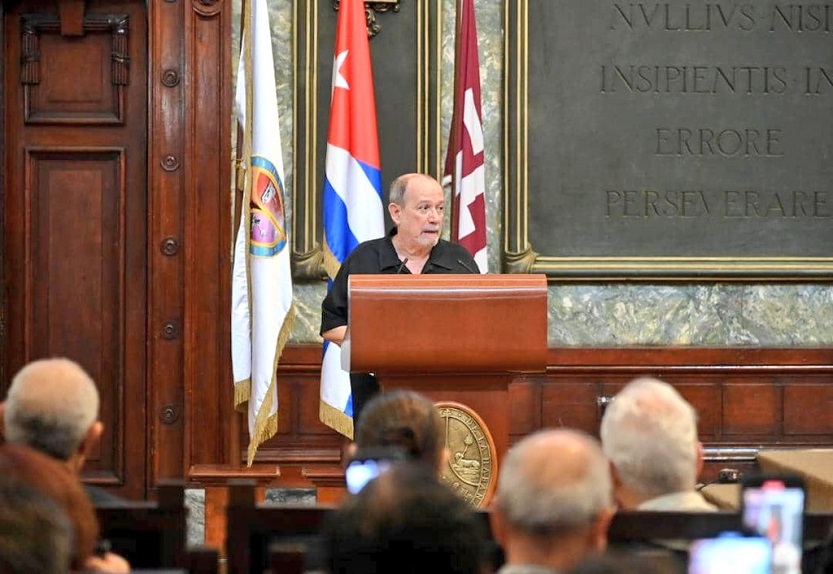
[379,256]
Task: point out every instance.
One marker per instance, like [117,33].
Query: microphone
[401,266]
[467,267]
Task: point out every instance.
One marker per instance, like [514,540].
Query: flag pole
[238,198]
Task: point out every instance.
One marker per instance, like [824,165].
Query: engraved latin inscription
[705,123]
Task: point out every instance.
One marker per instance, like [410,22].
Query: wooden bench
[149,534]
[254,530]
[251,528]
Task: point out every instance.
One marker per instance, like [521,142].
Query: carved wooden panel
[808,408]
[76,210]
[75,284]
[750,407]
[74,80]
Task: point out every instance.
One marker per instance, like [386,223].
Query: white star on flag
[339,81]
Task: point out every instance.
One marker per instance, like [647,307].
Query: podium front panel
[411,324]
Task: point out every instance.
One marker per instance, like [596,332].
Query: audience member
[554,502]
[406,420]
[35,534]
[405,521]
[52,406]
[54,481]
[649,434]
[618,562]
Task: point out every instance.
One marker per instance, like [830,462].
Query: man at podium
[417,207]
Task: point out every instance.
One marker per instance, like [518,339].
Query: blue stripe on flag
[340,238]
[374,176]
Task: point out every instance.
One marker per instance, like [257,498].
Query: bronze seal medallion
[472,465]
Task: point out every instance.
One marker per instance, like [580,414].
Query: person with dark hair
[405,521]
[405,420]
[417,208]
[50,478]
[35,534]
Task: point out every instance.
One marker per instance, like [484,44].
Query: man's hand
[110,563]
[336,334]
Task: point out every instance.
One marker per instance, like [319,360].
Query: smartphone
[773,506]
[367,464]
[730,553]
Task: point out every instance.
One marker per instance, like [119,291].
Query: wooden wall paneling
[741,396]
[569,402]
[207,234]
[751,407]
[525,415]
[166,228]
[75,210]
[808,409]
[77,204]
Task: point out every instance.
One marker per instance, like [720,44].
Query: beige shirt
[687,501]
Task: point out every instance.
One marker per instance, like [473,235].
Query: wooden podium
[460,338]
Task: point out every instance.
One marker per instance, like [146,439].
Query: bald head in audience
[52,406]
[554,500]
[649,433]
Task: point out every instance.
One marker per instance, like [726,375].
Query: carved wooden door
[75,206]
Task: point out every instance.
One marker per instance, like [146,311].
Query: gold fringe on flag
[335,419]
[242,394]
[330,263]
[266,425]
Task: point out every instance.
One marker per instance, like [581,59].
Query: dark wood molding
[746,397]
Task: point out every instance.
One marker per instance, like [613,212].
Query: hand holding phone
[773,506]
[369,463]
[730,553]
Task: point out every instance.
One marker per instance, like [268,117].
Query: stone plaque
[675,137]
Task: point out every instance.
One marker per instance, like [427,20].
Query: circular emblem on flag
[268,222]
[471,469]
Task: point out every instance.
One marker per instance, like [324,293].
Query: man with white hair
[649,434]
[554,502]
[52,406]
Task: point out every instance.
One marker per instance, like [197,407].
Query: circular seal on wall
[471,469]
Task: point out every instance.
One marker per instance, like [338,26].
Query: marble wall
[612,314]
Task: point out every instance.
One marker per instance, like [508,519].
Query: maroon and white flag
[464,159]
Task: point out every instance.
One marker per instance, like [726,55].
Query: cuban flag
[464,163]
[261,308]
[352,198]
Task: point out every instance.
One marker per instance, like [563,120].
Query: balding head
[402,183]
[51,406]
[649,433]
[554,482]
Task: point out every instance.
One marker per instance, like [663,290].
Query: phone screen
[730,553]
[774,508]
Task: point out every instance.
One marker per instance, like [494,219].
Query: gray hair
[554,482]
[398,188]
[649,433]
[51,405]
